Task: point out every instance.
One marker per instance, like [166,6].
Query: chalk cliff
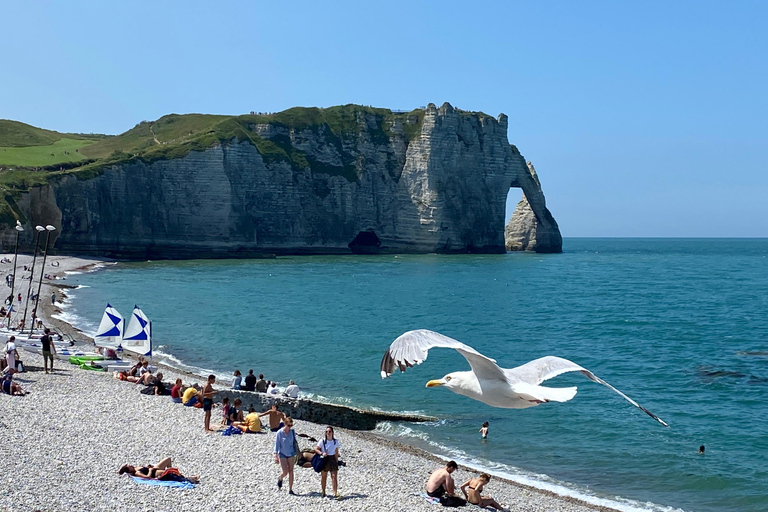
[524,232]
[431,181]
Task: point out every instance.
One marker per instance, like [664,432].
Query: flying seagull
[515,388]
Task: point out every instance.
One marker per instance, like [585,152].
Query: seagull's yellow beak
[433,383]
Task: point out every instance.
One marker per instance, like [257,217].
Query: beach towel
[231,431]
[163,483]
[429,499]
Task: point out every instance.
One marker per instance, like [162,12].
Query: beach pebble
[64,443]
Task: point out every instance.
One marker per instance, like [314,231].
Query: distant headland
[345,179]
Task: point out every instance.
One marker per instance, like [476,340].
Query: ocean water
[680,325]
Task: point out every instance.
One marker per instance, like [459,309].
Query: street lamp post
[19,229]
[48,228]
[31,278]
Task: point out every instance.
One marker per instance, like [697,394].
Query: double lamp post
[39,230]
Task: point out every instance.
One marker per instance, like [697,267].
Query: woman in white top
[328,448]
[10,352]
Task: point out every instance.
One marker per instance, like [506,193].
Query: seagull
[515,388]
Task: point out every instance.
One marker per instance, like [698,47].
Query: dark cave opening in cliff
[366,242]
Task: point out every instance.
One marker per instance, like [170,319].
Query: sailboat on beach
[137,337]
[110,332]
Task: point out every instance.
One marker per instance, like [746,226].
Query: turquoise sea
[680,325]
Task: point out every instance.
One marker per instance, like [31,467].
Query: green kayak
[78,360]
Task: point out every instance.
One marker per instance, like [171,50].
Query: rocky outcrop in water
[524,232]
[435,183]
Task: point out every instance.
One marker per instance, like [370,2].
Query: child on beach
[484,430]
[208,394]
[225,411]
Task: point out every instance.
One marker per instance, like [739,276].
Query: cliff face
[377,189]
[525,232]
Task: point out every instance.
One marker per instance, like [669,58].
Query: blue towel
[163,483]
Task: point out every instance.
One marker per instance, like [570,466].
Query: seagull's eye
[447,378]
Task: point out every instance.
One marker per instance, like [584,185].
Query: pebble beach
[65,441]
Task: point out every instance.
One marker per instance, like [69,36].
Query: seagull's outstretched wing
[411,348]
[539,370]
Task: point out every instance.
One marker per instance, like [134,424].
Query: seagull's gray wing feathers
[411,349]
[548,367]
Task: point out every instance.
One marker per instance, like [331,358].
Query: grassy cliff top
[31,156]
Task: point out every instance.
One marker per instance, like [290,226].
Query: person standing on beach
[250,381]
[10,353]
[208,394]
[53,298]
[328,449]
[441,482]
[49,349]
[261,384]
[285,451]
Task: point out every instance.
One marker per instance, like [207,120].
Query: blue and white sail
[138,335]
[110,332]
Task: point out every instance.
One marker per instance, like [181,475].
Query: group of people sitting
[441,485]
[251,383]
[141,374]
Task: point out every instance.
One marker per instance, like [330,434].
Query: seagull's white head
[453,381]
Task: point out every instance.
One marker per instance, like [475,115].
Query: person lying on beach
[162,471]
[158,388]
[251,424]
[441,482]
[146,379]
[305,459]
[275,418]
[475,487]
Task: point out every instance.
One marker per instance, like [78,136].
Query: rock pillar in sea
[532,227]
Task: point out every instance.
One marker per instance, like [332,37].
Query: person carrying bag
[328,450]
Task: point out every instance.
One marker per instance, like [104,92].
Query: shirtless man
[275,418]
[208,394]
[441,482]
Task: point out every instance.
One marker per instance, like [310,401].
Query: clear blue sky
[642,118]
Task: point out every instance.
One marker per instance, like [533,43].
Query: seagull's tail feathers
[591,376]
[544,394]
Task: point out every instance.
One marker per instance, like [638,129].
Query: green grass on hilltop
[64,150]
[32,156]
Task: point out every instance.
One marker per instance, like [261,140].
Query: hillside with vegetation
[31,156]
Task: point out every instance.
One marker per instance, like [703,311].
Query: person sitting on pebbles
[161,471]
[475,486]
[10,387]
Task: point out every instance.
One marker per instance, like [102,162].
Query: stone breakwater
[64,443]
[376,189]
